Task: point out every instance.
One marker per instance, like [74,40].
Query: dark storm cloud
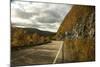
[52,13]
[47,19]
[51,16]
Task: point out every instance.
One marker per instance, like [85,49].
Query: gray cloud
[52,13]
[26,25]
[47,19]
[42,15]
[25,15]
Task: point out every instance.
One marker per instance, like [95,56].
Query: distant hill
[34,30]
[29,36]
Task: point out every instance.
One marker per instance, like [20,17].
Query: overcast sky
[43,16]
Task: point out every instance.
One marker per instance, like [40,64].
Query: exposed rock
[80,21]
[78,32]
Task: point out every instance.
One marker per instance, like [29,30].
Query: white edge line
[57,54]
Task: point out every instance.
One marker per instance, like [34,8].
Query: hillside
[79,17]
[78,32]
[29,36]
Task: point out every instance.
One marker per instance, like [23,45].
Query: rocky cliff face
[78,32]
[79,22]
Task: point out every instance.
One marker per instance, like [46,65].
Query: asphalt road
[42,54]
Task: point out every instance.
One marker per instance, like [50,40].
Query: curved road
[42,54]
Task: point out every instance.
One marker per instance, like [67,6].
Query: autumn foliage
[20,37]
